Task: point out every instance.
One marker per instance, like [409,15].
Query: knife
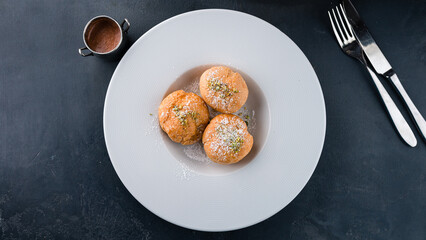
[380,63]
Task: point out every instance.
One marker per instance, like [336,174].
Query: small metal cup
[114,53]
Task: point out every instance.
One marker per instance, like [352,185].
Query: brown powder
[103,35]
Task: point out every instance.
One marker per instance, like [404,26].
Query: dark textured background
[56,180]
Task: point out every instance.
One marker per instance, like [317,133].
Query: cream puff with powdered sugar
[223,90]
[226,139]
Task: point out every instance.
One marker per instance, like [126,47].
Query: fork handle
[401,125]
[415,114]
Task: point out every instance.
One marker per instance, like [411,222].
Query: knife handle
[415,114]
[401,125]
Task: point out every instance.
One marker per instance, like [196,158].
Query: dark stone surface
[56,179]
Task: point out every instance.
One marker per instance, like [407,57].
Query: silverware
[380,63]
[350,46]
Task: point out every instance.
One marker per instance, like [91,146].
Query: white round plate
[284,92]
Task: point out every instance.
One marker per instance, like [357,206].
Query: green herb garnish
[218,86]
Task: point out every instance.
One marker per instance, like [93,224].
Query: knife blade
[373,52]
[380,63]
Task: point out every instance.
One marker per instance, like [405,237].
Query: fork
[351,47]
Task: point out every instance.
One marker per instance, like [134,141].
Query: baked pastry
[223,90]
[226,139]
[183,116]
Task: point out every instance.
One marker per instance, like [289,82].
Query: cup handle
[80,51]
[127,27]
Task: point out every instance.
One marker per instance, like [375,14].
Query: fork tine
[347,22]
[342,23]
[338,26]
[334,30]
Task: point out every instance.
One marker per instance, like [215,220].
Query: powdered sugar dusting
[154,129]
[218,99]
[196,152]
[153,126]
[249,116]
[252,123]
[185,172]
[229,137]
[193,87]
